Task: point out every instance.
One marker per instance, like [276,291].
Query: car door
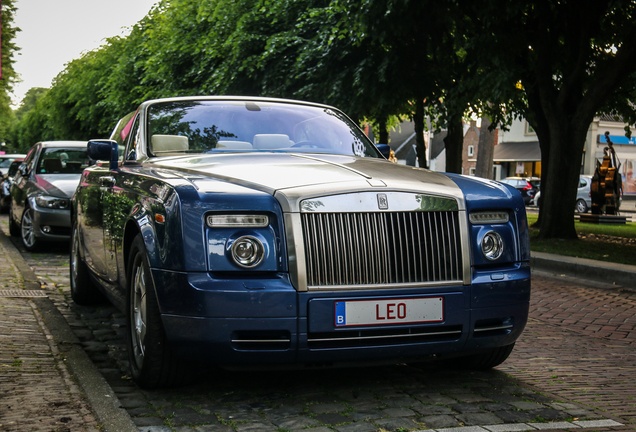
[23,183]
[118,204]
[90,218]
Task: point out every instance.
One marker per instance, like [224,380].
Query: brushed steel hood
[292,177]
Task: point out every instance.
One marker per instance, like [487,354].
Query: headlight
[492,245]
[248,251]
[51,202]
[488,217]
[220,221]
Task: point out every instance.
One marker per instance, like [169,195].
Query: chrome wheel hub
[28,232]
[139,315]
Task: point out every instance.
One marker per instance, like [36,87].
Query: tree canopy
[7,51]
[555,62]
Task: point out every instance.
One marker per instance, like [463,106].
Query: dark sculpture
[607,183]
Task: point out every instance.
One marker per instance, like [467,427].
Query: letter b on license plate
[392,311]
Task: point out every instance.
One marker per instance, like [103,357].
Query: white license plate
[391,311]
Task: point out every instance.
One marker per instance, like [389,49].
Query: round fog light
[248,251]
[492,245]
[46,229]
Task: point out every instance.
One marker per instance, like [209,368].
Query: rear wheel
[27,231]
[152,363]
[83,290]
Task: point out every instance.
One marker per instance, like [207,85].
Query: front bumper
[264,321]
[51,224]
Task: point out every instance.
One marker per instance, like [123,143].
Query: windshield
[215,126]
[58,160]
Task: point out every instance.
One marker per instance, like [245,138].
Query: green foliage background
[8,50]
[557,63]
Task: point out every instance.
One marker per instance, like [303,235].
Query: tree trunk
[454,143]
[560,172]
[384,132]
[420,145]
[485,150]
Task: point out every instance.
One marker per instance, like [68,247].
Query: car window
[6,163]
[210,126]
[121,132]
[13,168]
[582,182]
[535,183]
[29,160]
[133,140]
[58,160]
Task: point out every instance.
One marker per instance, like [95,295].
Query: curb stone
[103,400]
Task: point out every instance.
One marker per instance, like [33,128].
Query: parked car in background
[250,232]
[527,186]
[5,186]
[583,195]
[41,192]
[5,161]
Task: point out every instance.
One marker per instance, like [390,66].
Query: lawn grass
[589,248]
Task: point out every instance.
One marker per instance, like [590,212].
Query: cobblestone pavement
[37,392]
[573,367]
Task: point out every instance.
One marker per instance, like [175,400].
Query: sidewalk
[47,382]
[598,271]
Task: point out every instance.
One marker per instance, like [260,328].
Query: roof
[525,151]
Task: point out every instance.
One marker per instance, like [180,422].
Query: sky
[54,32]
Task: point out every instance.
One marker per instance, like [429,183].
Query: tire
[487,359]
[83,289]
[581,206]
[27,231]
[14,228]
[152,363]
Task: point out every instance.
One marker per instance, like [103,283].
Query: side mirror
[104,150]
[385,150]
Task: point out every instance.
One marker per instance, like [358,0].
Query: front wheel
[152,363]
[486,359]
[581,206]
[27,231]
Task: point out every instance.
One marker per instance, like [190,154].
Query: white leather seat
[271,141]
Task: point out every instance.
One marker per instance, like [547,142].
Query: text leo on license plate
[389,311]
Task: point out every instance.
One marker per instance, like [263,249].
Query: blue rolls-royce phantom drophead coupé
[259,232]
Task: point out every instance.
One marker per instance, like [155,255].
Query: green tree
[28,102]
[558,64]
[9,76]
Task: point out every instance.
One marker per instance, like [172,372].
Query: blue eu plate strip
[341,315]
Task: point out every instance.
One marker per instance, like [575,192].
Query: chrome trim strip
[337,339]
[466,255]
[260,340]
[500,327]
[362,202]
[295,251]
[388,286]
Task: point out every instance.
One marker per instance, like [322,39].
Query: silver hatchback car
[583,195]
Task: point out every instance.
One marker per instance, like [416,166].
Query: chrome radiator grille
[343,249]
